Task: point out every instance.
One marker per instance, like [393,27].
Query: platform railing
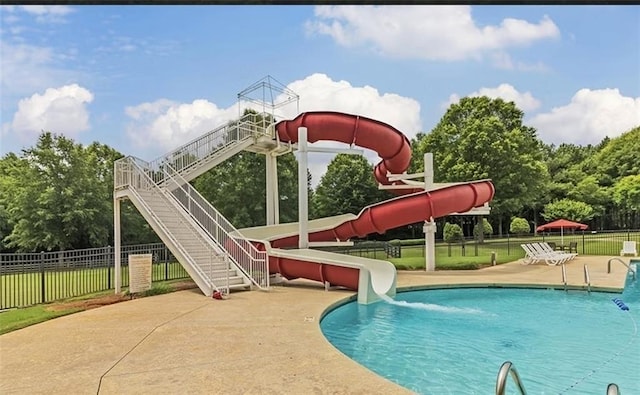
[190,155]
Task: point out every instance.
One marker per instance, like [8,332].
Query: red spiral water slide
[415,205]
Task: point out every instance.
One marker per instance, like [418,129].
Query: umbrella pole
[562,236]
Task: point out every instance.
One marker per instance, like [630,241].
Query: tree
[347,187]
[519,226]
[481,138]
[568,209]
[59,202]
[618,158]
[12,169]
[589,191]
[626,195]
[237,188]
[58,195]
[566,168]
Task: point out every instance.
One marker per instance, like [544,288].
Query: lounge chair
[535,255]
[552,245]
[628,248]
[546,249]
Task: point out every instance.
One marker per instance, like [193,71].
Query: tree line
[58,193]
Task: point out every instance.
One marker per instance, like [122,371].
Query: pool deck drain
[252,343]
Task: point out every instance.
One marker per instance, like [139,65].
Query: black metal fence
[31,278]
[584,242]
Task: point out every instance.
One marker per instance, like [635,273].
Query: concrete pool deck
[252,343]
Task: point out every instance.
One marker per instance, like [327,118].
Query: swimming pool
[453,341]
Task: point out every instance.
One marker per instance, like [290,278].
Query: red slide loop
[394,149]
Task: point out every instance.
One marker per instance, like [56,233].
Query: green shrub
[408,242]
[452,233]
[519,226]
[487,229]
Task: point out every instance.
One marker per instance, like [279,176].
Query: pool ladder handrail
[501,381]
[612,389]
[564,276]
[629,269]
[587,279]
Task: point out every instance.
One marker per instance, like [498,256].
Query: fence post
[109,265]
[582,242]
[42,279]
[166,263]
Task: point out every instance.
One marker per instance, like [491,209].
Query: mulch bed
[108,299]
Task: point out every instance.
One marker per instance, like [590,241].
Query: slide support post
[303,191]
[273,199]
[429,227]
[116,246]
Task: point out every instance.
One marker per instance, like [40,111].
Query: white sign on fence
[139,272]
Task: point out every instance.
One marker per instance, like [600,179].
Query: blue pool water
[453,341]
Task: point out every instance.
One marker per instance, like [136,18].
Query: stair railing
[131,174]
[244,254]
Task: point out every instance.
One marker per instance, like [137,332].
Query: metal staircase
[209,150]
[195,232]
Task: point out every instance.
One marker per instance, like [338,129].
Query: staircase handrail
[251,261]
[147,182]
[190,154]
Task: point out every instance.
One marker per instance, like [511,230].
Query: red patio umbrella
[561,224]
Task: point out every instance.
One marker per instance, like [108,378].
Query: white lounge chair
[628,248]
[534,255]
[546,248]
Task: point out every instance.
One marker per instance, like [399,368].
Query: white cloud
[61,110]
[502,60]
[446,33]
[48,13]
[589,117]
[168,124]
[525,101]
[27,69]
[318,92]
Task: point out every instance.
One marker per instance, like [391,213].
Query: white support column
[116,247]
[429,227]
[303,192]
[273,200]
[428,170]
[276,192]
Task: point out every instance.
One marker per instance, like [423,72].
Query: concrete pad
[252,343]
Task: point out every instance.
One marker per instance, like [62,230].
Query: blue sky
[145,79]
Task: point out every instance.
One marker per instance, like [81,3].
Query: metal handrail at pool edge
[501,381]
[633,273]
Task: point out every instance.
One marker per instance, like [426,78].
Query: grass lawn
[29,288]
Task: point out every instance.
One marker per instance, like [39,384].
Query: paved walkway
[252,343]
